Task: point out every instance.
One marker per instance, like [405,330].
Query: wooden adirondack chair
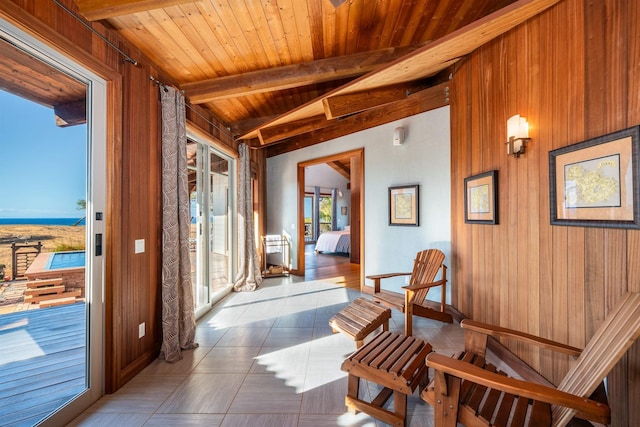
[426,266]
[466,392]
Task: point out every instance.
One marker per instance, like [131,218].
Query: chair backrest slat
[425,268]
[610,342]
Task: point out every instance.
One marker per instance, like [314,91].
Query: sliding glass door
[210,186]
[52,122]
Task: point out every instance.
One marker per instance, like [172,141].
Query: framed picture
[343,210]
[404,202]
[595,183]
[480,201]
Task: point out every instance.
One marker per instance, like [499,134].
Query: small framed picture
[480,198]
[404,202]
[594,183]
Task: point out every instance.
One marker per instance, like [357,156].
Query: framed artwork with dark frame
[594,183]
[404,205]
[480,198]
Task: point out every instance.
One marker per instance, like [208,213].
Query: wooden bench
[394,361]
[360,318]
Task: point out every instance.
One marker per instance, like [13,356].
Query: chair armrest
[387,275]
[500,332]
[586,408]
[424,285]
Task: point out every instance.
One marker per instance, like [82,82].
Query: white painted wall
[423,159]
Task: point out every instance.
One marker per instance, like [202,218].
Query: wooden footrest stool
[394,361]
[360,318]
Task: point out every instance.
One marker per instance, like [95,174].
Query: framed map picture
[595,183]
[404,205]
[480,202]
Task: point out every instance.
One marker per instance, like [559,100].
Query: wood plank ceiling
[265,67]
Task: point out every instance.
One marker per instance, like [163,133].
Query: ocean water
[40,221]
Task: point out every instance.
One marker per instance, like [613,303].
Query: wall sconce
[517,135]
[398,136]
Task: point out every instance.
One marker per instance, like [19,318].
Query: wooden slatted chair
[426,266]
[467,391]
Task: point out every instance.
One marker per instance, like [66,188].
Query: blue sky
[42,166]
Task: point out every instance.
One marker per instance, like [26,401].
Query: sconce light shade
[398,136]
[517,135]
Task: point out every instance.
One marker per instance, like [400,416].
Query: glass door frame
[194,134]
[96,101]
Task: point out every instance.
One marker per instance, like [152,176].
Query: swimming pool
[71,259]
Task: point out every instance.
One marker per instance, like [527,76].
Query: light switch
[139,246]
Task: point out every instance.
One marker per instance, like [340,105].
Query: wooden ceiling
[284,74]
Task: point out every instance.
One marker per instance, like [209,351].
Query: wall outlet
[141,330]
[139,246]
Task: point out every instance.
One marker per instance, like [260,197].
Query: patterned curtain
[334,208]
[249,277]
[178,317]
[316,213]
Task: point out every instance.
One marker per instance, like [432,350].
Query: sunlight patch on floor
[280,362]
[28,347]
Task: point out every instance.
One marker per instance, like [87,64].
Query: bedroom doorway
[339,177]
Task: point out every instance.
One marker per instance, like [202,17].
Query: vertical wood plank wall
[573,72]
[133,179]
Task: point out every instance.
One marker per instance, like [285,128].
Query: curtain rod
[127,58]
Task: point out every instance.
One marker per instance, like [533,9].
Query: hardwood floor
[335,268]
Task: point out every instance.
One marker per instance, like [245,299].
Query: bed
[335,241]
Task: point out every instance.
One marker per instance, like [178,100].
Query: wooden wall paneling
[574,89]
[561,129]
[595,37]
[491,139]
[543,143]
[616,94]
[525,178]
[460,277]
[478,286]
[576,235]
[632,370]
[535,184]
[515,104]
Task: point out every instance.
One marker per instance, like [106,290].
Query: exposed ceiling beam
[341,168]
[344,105]
[427,60]
[290,76]
[95,10]
[242,126]
[426,100]
[287,130]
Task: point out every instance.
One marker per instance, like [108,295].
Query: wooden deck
[42,362]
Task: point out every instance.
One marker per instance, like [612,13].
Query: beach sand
[51,237]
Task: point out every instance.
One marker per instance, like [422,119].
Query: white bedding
[334,241]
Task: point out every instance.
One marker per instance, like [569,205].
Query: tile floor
[266,358]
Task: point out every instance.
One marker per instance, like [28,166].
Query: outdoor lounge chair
[426,266]
[467,391]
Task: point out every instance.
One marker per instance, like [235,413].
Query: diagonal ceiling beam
[341,168]
[419,102]
[344,105]
[94,10]
[427,60]
[290,76]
